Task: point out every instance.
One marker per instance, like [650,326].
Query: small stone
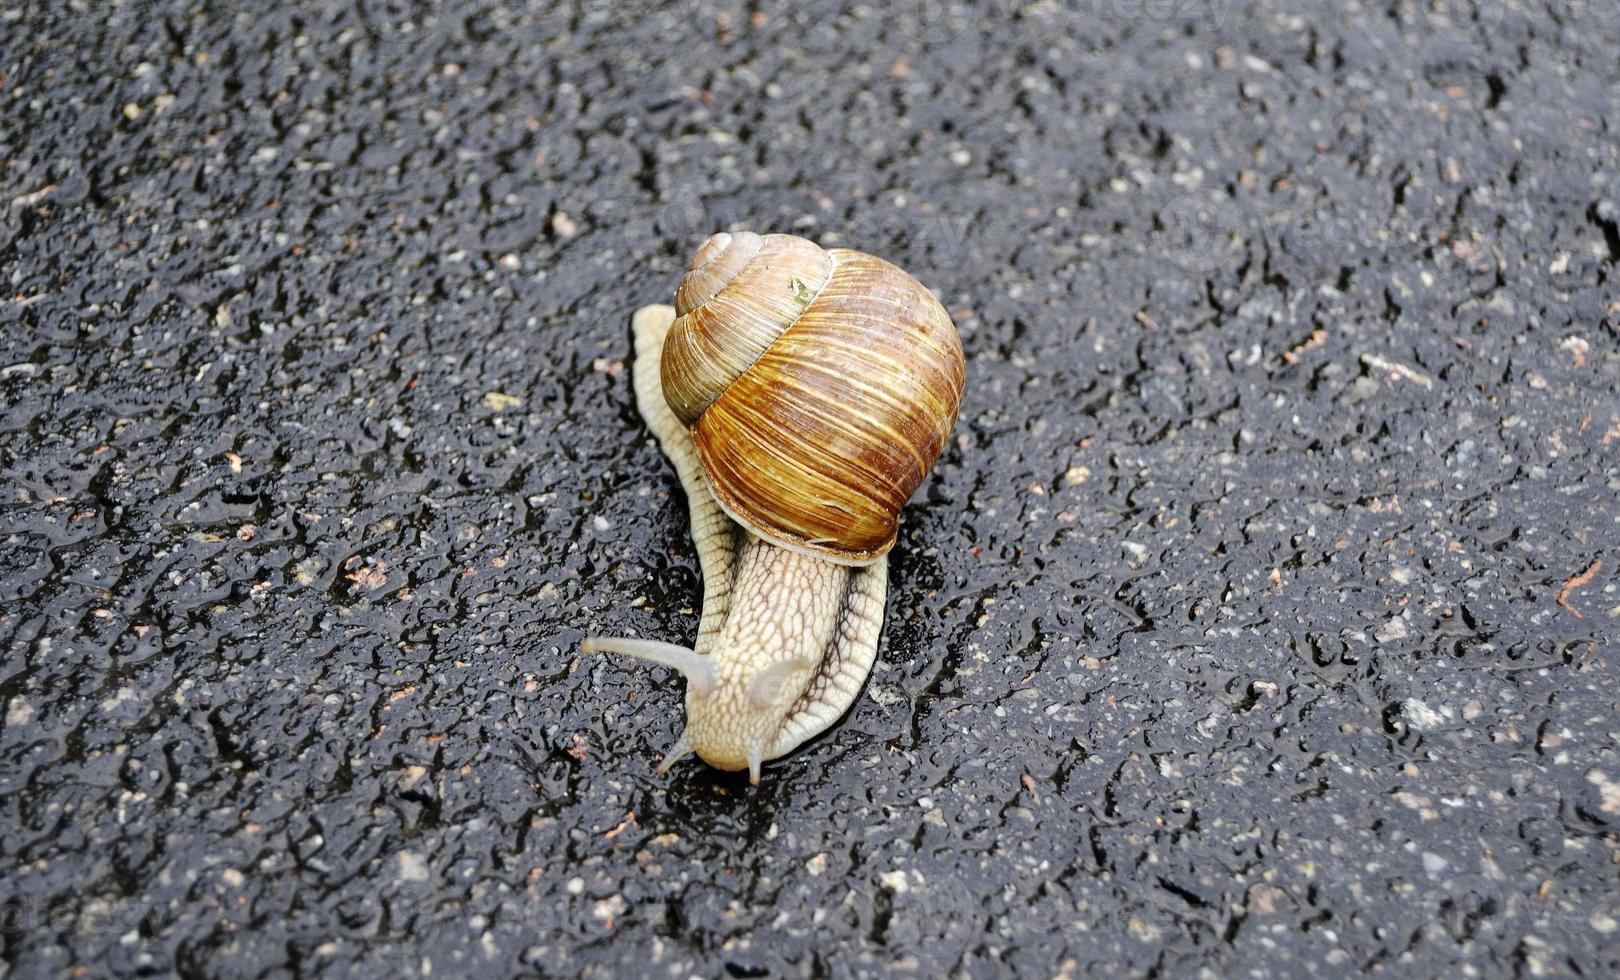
[816,865]
[412,866]
[1603,922]
[563,226]
[511,262]
[1420,717]
[961,157]
[1076,475]
[411,776]
[1263,900]
[895,881]
[1391,631]
[883,695]
[18,712]
[132,111]
[1608,788]
[1413,801]
[579,747]
[232,877]
[601,523]
[609,908]
[500,401]
[370,576]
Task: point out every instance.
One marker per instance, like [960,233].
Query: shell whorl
[819,387]
[739,294]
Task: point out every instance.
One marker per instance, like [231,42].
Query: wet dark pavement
[1262,618]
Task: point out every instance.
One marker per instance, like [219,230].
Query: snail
[802,395]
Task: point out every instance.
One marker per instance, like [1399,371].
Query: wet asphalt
[1260,620]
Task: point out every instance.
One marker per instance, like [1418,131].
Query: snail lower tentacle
[699,671]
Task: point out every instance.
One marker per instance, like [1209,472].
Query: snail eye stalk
[700,673]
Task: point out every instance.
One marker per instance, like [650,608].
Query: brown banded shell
[819,386]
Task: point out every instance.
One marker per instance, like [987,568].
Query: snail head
[731,717]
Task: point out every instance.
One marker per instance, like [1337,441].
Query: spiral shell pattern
[819,387]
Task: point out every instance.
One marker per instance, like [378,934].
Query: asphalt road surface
[1262,618]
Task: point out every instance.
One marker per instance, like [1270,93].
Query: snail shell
[819,386]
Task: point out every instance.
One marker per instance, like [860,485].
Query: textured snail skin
[786,639]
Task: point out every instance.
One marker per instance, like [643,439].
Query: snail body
[802,395]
